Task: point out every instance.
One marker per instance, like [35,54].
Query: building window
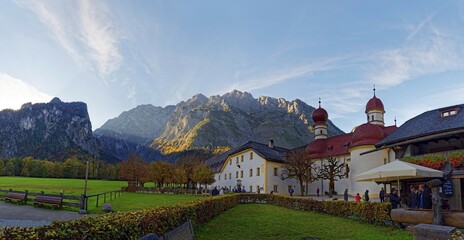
[251,156]
[241,174]
[241,160]
[230,162]
[258,171]
[372,117]
[251,172]
[276,173]
[275,188]
[219,177]
[237,159]
[236,174]
[449,111]
[230,175]
[225,176]
[251,188]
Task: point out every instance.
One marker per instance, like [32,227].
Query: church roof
[275,154]
[339,145]
[374,104]
[427,123]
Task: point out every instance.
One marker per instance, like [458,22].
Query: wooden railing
[106,195]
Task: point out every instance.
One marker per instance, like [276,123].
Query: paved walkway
[27,216]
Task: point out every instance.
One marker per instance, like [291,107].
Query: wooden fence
[80,202]
[110,194]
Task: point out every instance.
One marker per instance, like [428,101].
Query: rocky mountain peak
[46,130]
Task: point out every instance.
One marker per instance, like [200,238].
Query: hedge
[365,211]
[133,224]
[127,225]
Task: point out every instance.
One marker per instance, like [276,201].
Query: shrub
[365,211]
[127,225]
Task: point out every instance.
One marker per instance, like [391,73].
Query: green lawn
[75,187]
[262,221]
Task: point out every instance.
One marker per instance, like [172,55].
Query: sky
[115,55]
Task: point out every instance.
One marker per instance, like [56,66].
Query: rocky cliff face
[139,125]
[235,118]
[218,121]
[47,131]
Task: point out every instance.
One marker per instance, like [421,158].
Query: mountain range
[209,123]
[58,130]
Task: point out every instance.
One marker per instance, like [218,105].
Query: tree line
[187,171]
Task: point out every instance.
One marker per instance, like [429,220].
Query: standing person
[291,191]
[317,192]
[382,195]
[358,197]
[413,197]
[221,192]
[425,200]
[215,192]
[345,195]
[366,196]
[395,200]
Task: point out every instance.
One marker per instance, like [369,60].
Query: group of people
[223,190]
[358,197]
[419,197]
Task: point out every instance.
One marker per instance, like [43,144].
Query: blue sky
[115,55]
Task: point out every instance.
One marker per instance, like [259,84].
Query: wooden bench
[48,200]
[18,197]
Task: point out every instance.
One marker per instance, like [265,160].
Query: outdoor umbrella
[397,170]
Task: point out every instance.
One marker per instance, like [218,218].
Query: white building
[255,167]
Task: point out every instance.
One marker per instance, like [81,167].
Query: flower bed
[131,225]
[456,158]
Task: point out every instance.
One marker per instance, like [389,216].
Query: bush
[127,225]
[365,211]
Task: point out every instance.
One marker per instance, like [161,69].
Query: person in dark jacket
[366,196]
[345,195]
[215,192]
[425,200]
[413,198]
[382,195]
[395,200]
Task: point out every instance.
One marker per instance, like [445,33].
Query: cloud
[87,35]
[432,55]
[15,92]
[98,35]
[267,79]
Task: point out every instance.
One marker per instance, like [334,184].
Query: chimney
[271,143]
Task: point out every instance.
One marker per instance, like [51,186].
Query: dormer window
[449,112]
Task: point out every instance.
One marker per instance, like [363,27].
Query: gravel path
[27,216]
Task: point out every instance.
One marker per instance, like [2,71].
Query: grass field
[262,221]
[75,187]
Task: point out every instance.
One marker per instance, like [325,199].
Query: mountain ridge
[224,121]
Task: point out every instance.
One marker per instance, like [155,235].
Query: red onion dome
[366,134]
[316,148]
[374,104]
[320,115]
